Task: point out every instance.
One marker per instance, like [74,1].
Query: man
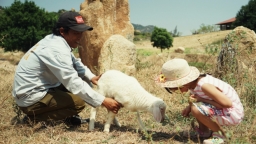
[48,83]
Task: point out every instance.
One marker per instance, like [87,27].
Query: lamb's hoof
[106,131]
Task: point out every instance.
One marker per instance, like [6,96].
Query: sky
[186,15]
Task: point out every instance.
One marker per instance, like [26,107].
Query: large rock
[179,50]
[107,17]
[238,55]
[118,53]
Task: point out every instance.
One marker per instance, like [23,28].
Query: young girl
[215,104]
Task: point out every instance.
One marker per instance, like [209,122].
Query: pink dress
[225,116]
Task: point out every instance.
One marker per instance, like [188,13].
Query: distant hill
[143,29]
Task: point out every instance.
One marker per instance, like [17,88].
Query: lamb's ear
[157,114]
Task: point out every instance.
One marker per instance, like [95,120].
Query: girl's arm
[212,102]
[219,100]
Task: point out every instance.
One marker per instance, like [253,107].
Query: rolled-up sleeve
[69,74]
[81,69]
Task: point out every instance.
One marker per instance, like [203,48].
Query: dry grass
[148,67]
[196,42]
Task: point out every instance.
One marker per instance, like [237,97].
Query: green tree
[246,16]
[175,32]
[23,24]
[61,11]
[162,39]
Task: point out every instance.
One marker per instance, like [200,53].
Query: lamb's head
[158,110]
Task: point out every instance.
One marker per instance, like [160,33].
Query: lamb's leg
[142,127]
[116,122]
[92,118]
[110,118]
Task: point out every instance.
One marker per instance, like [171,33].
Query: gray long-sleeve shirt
[49,64]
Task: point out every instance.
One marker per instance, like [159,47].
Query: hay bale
[179,50]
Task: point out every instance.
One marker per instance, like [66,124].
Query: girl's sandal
[196,132]
[217,138]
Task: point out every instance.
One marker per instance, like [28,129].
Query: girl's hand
[196,98]
[191,99]
[186,111]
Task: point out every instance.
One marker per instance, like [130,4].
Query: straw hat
[176,72]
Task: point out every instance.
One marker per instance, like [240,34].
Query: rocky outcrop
[118,53]
[238,55]
[107,17]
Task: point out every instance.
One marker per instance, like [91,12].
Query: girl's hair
[56,30]
[203,75]
[200,76]
[168,90]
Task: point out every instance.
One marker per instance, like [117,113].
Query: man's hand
[111,105]
[95,79]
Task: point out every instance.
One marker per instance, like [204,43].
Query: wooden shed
[227,24]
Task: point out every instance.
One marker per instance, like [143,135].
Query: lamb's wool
[127,91]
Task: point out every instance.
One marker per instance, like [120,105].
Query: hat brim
[194,74]
[81,28]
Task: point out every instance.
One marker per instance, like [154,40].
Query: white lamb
[127,91]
